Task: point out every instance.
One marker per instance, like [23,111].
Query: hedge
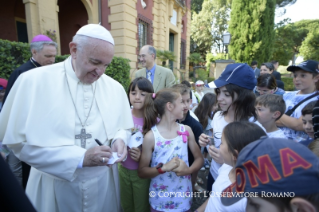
[289,85]
[14,54]
[119,69]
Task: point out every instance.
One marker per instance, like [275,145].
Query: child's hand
[203,140]
[172,164]
[215,154]
[182,169]
[135,154]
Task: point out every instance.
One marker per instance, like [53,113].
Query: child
[134,190]
[266,84]
[236,102]
[193,103]
[193,124]
[270,108]
[199,90]
[306,114]
[314,147]
[268,68]
[235,137]
[305,79]
[287,178]
[205,111]
[164,155]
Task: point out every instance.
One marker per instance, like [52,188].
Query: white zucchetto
[96,31]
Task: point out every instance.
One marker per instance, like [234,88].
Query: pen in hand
[98,142]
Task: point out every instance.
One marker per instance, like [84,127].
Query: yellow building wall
[123,28]
[42,15]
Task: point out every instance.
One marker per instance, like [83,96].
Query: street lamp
[195,46]
[226,41]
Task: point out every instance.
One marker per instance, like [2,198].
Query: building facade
[165,24]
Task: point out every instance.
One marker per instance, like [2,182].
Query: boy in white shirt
[270,108]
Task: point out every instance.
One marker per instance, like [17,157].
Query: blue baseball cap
[239,74]
[311,66]
[274,165]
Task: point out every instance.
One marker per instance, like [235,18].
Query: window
[142,33]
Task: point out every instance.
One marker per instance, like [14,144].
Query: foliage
[119,70]
[61,58]
[201,28]
[51,34]
[280,4]
[289,85]
[210,79]
[210,58]
[310,46]
[195,58]
[252,29]
[12,55]
[196,6]
[289,38]
[164,55]
[221,11]
[201,74]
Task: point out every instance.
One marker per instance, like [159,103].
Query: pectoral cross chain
[83,136]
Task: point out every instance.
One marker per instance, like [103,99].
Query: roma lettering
[265,168]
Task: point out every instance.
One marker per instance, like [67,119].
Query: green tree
[221,12]
[195,58]
[310,46]
[164,55]
[208,26]
[201,28]
[289,38]
[252,29]
[196,6]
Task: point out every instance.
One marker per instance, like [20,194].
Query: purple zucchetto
[41,38]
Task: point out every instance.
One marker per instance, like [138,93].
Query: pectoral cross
[83,136]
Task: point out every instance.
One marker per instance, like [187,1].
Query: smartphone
[211,141]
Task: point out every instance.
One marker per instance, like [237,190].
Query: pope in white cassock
[51,118]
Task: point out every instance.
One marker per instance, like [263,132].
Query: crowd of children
[249,127]
[256,134]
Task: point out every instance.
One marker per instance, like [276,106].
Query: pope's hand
[95,155]
[119,147]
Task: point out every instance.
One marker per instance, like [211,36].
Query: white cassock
[39,123]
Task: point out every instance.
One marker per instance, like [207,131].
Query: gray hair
[38,46]
[80,40]
[270,66]
[152,50]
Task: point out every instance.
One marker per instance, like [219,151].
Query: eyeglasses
[199,85]
[141,56]
[2,91]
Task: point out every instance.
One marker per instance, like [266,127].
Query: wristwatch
[159,168]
